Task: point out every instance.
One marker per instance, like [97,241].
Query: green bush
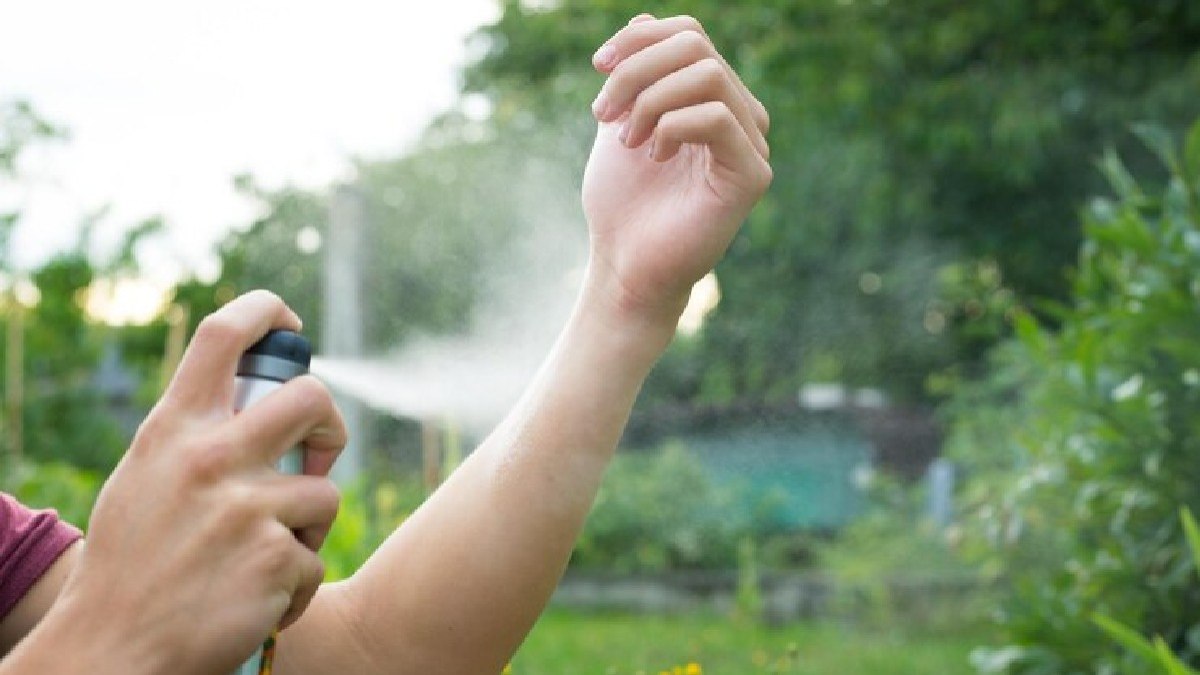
[1085,441]
[661,511]
[56,485]
[1156,651]
[368,514]
[655,512]
[878,562]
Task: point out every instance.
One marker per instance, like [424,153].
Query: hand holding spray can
[280,356]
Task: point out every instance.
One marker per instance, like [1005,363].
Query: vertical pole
[177,323]
[431,455]
[14,377]
[342,326]
[452,454]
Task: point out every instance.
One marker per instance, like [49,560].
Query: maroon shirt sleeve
[30,542]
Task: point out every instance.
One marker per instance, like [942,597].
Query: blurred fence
[783,597]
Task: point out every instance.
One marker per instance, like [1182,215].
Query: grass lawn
[615,644]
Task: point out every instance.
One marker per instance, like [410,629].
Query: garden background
[979,254]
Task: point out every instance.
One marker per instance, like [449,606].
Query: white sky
[167,101]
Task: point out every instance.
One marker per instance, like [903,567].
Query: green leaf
[1191,155]
[1193,534]
[1191,168]
[1159,141]
[1028,331]
[1169,661]
[1126,637]
[1119,178]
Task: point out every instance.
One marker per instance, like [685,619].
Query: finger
[703,81]
[323,446]
[637,36]
[686,52]
[607,52]
[647,66]
[204,378]
[634,38]
[307,505]
[310,572]
[300,413]
[712,124]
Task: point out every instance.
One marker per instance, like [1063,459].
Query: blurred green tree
[1084,443]
[907,136]
[62,415]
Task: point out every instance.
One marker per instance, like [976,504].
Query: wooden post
[14,379]
[452,454]
[431,456]
[177,324]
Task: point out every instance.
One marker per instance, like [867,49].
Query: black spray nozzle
[280,355]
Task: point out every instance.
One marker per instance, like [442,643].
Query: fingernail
[623,134]
[640,18]
[600,106]
[605,56]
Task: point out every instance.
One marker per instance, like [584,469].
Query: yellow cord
[268,654]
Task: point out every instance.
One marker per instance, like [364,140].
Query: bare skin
[680,158]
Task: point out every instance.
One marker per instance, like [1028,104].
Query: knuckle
[316,570]
[236,512]
[279,544]
[764,116]
[711,70]
[691,24]
[634,31]
[308,572]
[695,41]
[206,463]
[719,114]
[266,297]
[329,499]
[241,503]
[312,396]
[217,328]
[766,175]
[668,124]
[155,428]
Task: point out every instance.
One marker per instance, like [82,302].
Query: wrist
[630,321]
[655,311]
[76,638]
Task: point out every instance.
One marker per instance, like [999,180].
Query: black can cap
[279,355]
[284,344]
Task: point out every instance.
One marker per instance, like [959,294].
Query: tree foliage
[63,415]
[907,137]
[1091,431]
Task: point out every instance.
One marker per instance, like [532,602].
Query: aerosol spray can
[280,356]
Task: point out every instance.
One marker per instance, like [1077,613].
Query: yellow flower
[692,669]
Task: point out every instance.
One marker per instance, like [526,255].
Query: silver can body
[247,392]
[251,390]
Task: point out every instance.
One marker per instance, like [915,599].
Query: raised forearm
[476,564]
[459,584]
